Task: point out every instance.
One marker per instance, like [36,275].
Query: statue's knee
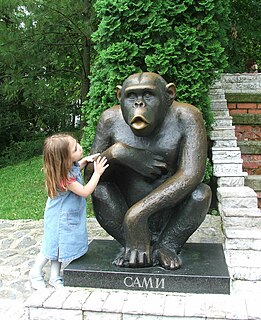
[202,193]
[101,192]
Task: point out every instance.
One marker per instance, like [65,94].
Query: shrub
[21,151]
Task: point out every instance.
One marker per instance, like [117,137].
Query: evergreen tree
[181,40]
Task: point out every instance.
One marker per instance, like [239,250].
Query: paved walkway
[20,242]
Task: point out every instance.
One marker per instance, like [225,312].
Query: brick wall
[244,107]
[247,128]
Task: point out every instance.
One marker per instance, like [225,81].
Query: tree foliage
[44,63]
[244,45]
[181,40]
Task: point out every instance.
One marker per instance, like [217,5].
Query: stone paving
[20,242]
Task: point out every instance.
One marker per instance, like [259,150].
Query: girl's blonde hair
[57,162]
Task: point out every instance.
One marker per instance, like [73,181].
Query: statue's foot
[167,258]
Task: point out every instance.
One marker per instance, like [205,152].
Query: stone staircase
[237,202]
[243,92]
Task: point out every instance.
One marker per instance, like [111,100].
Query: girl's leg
[36,273]
[55,276]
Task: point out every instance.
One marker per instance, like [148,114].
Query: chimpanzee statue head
[145,99]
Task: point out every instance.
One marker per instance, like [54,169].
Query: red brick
[256,157]
[251,165]
[249,171]
[231,105]
[244,128]
[259,106]
[247,135]
[256,111]
[236,111]
[247,106]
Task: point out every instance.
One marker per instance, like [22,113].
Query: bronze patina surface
[151,198]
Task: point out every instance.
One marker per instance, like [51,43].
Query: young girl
[65,235]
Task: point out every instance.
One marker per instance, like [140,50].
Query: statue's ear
[171,90]
[118,92]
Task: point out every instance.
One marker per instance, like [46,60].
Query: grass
[22,191]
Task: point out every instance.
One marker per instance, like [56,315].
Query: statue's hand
[137,252]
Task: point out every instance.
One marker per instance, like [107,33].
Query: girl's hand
[100,165]
[92,157]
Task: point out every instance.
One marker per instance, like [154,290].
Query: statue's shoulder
[111,113]
[185,111]
[109,119]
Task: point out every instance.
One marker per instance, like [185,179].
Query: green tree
[44,59]
[244,45]
[181,40]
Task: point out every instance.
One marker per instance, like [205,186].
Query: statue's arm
[118,153]
[190,170]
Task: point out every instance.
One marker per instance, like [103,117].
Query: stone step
[235,181]
[254,182]
[245,273]
[222,133]
[220,112]
[236,197]
[218,104]
[222,121]
[241,212]
[242,244]
[217,95]
[243,233]
[228,168]
[221,143]
[246,222]
[226,154]
[243,258]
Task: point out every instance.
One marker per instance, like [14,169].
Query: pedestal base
[204,270]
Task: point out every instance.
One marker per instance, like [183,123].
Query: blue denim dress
[65,234]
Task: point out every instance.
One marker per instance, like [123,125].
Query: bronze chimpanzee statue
[151,198]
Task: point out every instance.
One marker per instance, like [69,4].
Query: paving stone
[174,306]
[96,300]
[195,306]
[57,299]
[76,299]
[114,302]
[134,302]
[154,304]
[55,314]
[253,306]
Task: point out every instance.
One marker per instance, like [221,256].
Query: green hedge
[181,40]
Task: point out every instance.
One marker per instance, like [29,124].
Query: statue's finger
[159,158]
[133,258]
[142,259]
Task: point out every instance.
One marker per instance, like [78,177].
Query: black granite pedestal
[204,270]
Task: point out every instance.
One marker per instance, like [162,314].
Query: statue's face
[144,102]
